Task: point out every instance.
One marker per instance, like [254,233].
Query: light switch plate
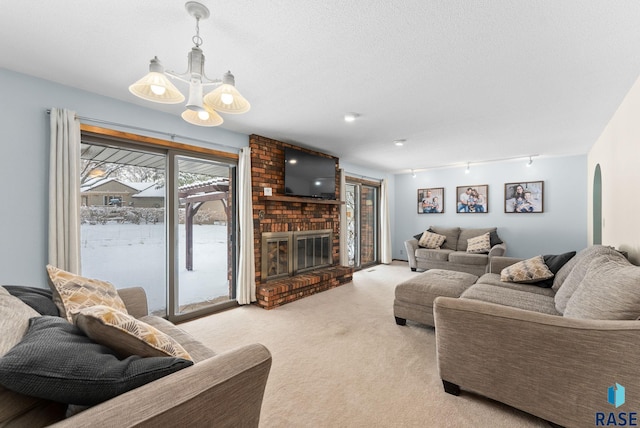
[268,191]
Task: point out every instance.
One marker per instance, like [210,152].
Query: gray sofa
[552,352]
[453,253]
[221,390]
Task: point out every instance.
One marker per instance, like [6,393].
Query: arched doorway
[597,206]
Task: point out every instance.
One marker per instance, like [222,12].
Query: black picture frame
[431,200]
[472,199]
[524,197]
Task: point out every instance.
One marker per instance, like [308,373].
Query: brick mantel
[282,215]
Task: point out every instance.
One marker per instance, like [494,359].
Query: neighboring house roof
[151,192]
[96,183]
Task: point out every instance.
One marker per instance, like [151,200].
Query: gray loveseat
[453,253]
[552,352]
[221,390]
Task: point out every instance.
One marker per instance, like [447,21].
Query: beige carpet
[339,360]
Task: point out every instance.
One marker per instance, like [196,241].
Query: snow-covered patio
[135,255]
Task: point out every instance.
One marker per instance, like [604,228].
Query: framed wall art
[524,197]
[431,201]
[472,199]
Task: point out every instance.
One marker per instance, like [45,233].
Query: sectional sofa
[553,352]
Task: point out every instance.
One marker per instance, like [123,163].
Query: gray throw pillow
[586,253]
[14,320]
[593,255]
[451,233]
[609,291]
[57,362]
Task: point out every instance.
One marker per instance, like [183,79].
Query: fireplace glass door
[313,252]
[277,257]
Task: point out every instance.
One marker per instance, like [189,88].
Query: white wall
[24,154]
[618,153]
[561,227]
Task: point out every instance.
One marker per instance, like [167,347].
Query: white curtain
[246,287]
[344,250]
[385,227]
[64,191]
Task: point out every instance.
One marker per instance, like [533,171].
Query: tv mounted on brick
[309,175]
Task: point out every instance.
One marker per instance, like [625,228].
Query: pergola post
[188,232]
[193,197]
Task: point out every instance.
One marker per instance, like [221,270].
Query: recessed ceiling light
[399,143]
[350,117]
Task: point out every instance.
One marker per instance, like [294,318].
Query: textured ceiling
[462,81]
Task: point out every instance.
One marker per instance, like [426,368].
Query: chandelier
[201,110]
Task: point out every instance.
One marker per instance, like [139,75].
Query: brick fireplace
[289,216]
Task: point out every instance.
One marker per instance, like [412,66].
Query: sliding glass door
[204,273]
[160,219]
[362,223]
[368,225]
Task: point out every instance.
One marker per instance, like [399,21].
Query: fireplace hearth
[289,253]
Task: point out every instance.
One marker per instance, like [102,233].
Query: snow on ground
[130,255]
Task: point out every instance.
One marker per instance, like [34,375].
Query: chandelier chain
[197,40]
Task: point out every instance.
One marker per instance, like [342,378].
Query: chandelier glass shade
[207,117]
[156,86]
[226,98]
[201,110]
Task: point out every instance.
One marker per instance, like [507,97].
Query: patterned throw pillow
[479,244]
[72,292]
[431,240]
[126,335]
[527,271]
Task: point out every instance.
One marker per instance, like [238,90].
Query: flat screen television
[309,175]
